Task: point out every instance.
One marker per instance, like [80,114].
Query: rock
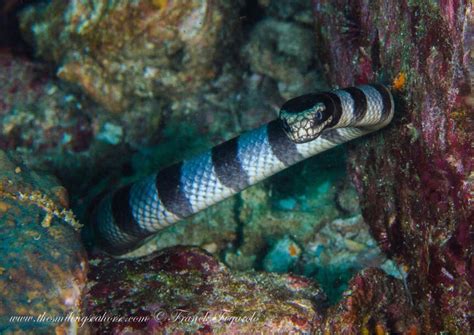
[264,216]
[373,304]
[339,250]
[415,178]
[118,52]
[51,128]
[347,200]
[298,10]
[282,256]
[10,36]
[184,289]
[43,266]
[36,113]
[57,130]
[283,51]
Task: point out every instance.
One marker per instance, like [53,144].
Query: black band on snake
[307,125]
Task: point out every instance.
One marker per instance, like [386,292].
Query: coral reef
[43,267]
[218,301]
[63,132]
[415,179]
[118,52]
[287,224]
[187,290]
[171,72]
[284,206]
[338,251]
[282,256]
[150,60]
[37,113]
[373,304]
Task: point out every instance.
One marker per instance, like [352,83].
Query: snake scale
[307,125]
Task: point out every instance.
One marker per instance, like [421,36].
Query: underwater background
[371,237]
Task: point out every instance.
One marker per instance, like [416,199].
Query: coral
[119,52]
[414,178]
[246,228]
[186,290]
[43,267]
[373,304]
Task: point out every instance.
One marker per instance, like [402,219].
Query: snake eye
[319,112]
[319,116]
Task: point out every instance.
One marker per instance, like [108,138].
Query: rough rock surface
[10,36]
[36,113]
[184,289]
[282,256]
[338,251]
[187,290]
[415,179]
[43,267]
[118,51]
[296,10]
[283,51]
[374,303]
[285,205]
[54,129]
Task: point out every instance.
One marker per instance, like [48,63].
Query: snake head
[305,117]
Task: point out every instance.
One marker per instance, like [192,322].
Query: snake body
[307,125]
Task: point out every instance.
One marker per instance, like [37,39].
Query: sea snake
[307,125]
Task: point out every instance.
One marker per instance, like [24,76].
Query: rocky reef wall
[415,179]
[100,93]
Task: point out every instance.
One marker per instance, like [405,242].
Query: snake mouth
[303,130]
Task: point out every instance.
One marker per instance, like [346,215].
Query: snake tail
[126,217]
